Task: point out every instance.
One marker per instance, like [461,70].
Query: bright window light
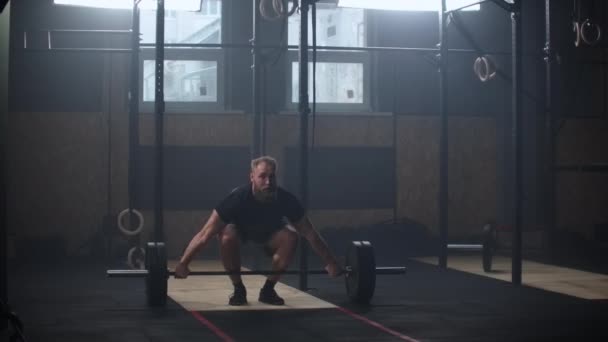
[177,5]
[408,5]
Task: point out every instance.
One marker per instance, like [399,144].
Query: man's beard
[267,195]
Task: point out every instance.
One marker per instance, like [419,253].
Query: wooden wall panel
[582,197]
[57,174]
[471,172]
[199,129]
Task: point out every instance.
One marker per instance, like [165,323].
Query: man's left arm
[306,229]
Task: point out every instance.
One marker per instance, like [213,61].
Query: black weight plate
[361,280]
[489,233]
[487,256]
[156,281]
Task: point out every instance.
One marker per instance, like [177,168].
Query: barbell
[486,248]
[486,252]
[359,272]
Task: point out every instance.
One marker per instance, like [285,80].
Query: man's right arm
[210,229]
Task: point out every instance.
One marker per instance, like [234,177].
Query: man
[266,214]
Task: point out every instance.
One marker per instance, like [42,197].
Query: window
[348,90]
[185,81]
[410,5]
[192,75]
[342,77]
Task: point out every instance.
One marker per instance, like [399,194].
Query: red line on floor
[377,325]
[212,327]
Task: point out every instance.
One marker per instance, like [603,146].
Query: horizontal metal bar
[470,247]
[391,270]
[144,273]
[88,31]
[592,167]
[247,46]
[323,48]
[294,47]
[126,32]
[199,45]
[127,273]
[379,270]
[504,5]
[27,49]
[219,273]
[466,6]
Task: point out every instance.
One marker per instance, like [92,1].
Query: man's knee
[291,237]
[288,239]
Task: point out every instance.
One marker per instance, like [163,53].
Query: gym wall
[68,135]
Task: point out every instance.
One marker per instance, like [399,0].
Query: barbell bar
[347,270]
[465,247]
[486,248]
[359,272]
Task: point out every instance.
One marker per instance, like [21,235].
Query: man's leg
[230,251]
[283,245]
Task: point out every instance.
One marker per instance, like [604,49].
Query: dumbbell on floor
[486,248]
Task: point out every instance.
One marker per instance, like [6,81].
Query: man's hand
[333,269]
[181,271]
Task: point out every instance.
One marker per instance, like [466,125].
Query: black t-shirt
[243,210]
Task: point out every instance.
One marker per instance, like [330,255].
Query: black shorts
[259,235]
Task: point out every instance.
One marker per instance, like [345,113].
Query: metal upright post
[549,151]
[304,111]
[5,14]
[255,75]
[517,137]
[443,138]
[159,109]
[134,104]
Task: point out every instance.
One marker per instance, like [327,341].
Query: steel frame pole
[443,138]
[304,111]
[159,109]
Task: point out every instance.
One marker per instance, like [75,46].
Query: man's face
[264,183]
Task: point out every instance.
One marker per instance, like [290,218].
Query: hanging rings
[136,258]
[140,219]
[587,31]
[590,32]
[276,9]
[485,68]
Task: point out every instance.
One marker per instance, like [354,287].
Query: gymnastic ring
[484,67]
[584,32]
[491,66]
[126,231]
[577,31]
[142,264]
[477,67]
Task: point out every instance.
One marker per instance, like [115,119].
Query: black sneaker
[238,297]
[270,296]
